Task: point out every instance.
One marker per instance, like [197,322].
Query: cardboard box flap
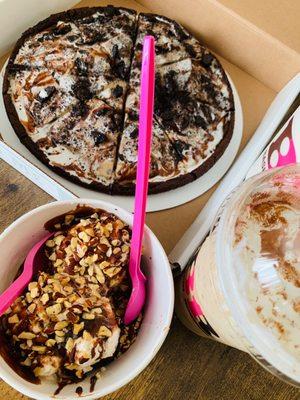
[280,19]
[22,11]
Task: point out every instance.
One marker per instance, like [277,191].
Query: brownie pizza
[71,92]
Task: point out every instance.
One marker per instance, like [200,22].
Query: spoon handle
[12,292]
[144,149]
[32,264]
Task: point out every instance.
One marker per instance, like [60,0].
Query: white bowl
[16,241]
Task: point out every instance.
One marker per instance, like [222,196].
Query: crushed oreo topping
[80,110]
[94,37]
[117,91]
[62,29]
[133,115]
[180,147]
[46,94]
[134,133]
[115,52]
[191,51]
[117,64]
[199,121]
[81,89]
[208,86]
[99,137]
[120,70]
[184,122]
[180,32]
[103,111]
[207,59]
[167,115]
[112,11]
[45,37]
[88,20]
[81,67]
[72,38]
[17,67]
[139,47]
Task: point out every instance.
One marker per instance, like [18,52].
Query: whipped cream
[266,254]
[242,287]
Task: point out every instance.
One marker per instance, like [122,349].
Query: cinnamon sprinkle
[269,213]
[296,306]
[289,272]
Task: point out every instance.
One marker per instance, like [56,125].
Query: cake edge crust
[115,188]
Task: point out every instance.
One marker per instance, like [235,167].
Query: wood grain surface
[187,367]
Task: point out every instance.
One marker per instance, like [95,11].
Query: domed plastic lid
[258,257]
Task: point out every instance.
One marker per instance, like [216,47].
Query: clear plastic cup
[242,287]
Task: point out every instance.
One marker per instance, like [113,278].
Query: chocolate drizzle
[93,381]
[96,47]
[108,318]
[79,390]
[12,358]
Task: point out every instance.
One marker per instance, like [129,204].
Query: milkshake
[242,287]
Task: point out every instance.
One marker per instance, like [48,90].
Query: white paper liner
[156,202]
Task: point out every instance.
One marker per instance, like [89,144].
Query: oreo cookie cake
[71,92]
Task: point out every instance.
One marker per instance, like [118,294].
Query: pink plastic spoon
[32,264]
[138,280]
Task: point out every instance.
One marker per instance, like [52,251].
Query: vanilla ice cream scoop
[69,325]
[49,365]
[69,319]
[93,350]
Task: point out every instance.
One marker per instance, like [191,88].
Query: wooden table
[187,367]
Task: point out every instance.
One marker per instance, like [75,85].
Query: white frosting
[267,261]
[65,81]
[59,55]
[86,156]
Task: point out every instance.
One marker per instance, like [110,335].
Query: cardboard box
[247,51]
[18,15]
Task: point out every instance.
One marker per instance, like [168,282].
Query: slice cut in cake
[81,144]
[71,91]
